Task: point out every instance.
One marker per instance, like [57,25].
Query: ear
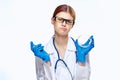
[52,20]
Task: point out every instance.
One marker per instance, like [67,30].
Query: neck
[61,44]
[61,40]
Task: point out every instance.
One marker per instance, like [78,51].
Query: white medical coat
[44,72]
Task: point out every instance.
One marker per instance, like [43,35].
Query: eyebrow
[64,18]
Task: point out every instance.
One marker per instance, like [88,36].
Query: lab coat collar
[70,46]
[49,47]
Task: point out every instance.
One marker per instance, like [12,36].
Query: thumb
[76,43]
[88,41]
[31,45]
[92,43]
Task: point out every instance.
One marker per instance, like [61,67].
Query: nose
[64,22]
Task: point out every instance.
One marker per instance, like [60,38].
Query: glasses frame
[61,20]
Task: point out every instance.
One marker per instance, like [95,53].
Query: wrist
[81,64]
[48,63]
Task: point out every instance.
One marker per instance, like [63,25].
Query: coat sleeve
[42,70]
[83,72]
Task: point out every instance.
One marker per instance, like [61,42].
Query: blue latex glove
[39,51]
[84,49]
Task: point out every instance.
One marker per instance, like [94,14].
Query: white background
[22,21]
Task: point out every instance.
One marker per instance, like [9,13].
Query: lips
[64,29]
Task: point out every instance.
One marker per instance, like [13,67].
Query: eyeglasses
[61,20]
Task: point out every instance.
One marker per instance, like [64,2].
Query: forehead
[65,15]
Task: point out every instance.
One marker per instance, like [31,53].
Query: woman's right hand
[39,51]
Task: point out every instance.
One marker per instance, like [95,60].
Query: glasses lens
[61,20]
[69,22]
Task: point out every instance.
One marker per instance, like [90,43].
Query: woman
[62,58]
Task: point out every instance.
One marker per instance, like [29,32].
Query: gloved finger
[91,45]
[91,37]
[88,41]
[76,42]
[40,47]
[92,42]
[32,45]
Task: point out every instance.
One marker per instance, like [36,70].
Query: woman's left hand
[84,49]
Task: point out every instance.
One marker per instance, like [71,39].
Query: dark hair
[64,8]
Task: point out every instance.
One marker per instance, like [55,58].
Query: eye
[70,21]
[60,19]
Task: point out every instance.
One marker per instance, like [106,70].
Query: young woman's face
[62,22]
